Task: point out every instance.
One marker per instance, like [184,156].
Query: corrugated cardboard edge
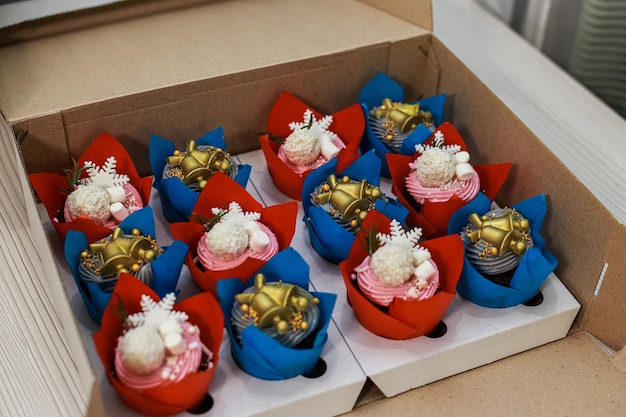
[81,19]
[574,214]
[59,296]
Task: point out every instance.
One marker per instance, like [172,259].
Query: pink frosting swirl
[466,190]
[133,202]
[174,368]
[383,294]
[210,262]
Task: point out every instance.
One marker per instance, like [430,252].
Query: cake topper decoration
[196,164]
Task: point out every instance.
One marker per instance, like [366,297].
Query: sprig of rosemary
[72,176]
[369,239]
[272,137]
[207,222]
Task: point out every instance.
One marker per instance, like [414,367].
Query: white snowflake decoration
[236,214]
[439,142]
[318,127]
[400,236]
[105,176]
[154,313]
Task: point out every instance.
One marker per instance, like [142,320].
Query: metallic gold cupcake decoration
[197,163]
[120,253]
[404,117]
[278,305]
[346,199]
[497,240]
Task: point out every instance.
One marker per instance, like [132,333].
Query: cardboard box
[185,72]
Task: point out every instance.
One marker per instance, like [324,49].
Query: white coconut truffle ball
[227,241]
[435,167]
[90,200]
[142,350]
[302,147]
[393,264]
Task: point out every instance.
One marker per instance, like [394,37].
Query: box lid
[103,62]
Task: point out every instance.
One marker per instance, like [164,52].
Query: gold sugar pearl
[245,308]
[136,232]
[389,138]
[354,223]
[84,254]
[326,187]
[135,268]
[176,152]
[345,179]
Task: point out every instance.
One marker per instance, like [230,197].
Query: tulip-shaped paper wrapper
[436,204]
[322,138]
[257,353]
[279,219]
[202,310]
[534,261]
[133,243]
[104,161]
[189,172]
[409,314]
[393,126]
[335,200]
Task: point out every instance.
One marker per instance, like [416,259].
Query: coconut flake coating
[434,167]
[393,264]
[302,147]
[227,241]
[89,200]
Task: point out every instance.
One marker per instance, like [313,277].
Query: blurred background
[587,38]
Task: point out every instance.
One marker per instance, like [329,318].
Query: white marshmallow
[175,343]
[461,157]
[170,326]
[464,171]
[327,148]
[251,227]
[259,241]
[119,211]
[425,271]
[116,194]
[420,255]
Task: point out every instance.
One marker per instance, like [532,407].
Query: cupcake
[97,193]
[104,196]
[299,139]
[310,144]
[336,202]
[277,328]
[159,346]
[506,260]
[285,312]
[395,125]
[441,171]
[101,262]
[496,241]
[398,267]
[346,200]
[392,122]
[130,248]
[439,179]
[159,356]
[230,234]
[399,288]
[181,175]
